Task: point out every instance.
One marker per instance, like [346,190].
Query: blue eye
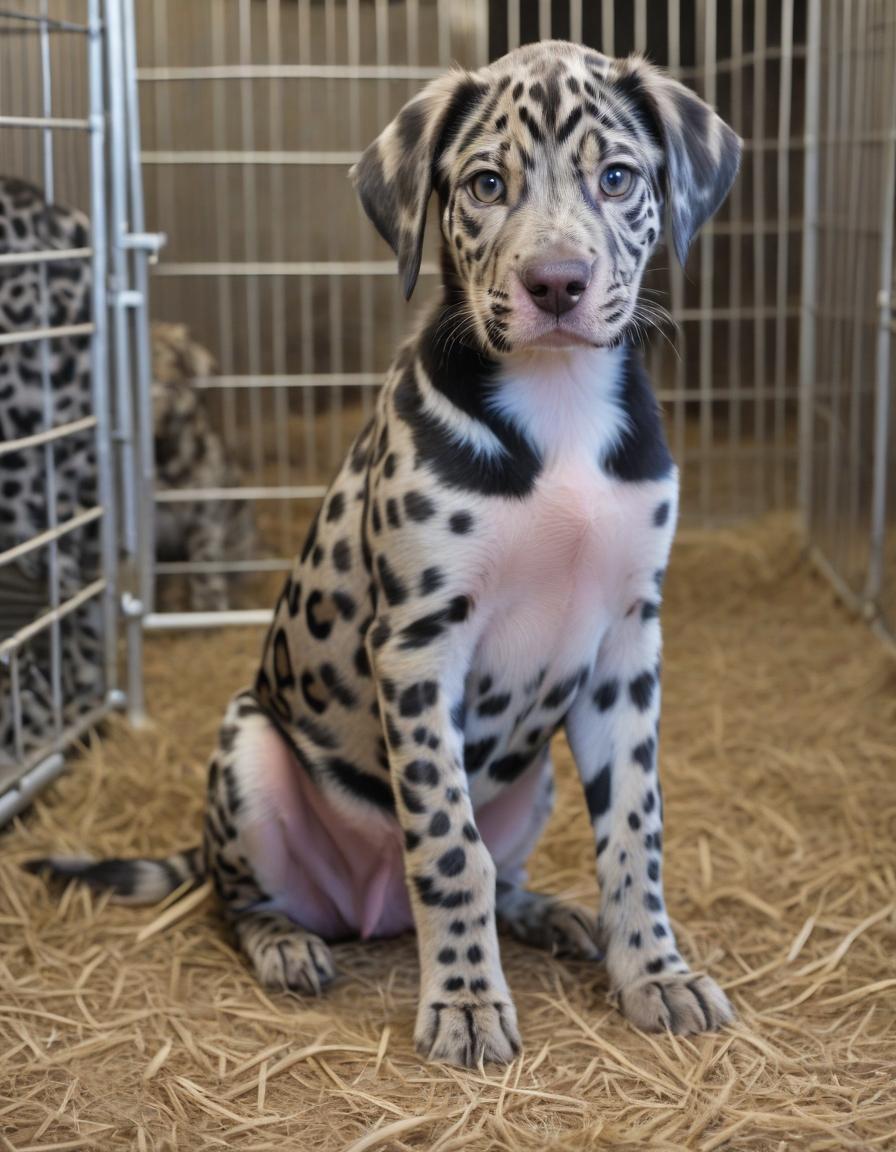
[487,187]
[616,180]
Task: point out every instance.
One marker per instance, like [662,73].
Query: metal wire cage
[238,120]
[848,436]
[57,548]
[252,112]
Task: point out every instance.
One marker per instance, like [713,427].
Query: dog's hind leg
[250,856]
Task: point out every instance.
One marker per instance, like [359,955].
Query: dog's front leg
[419,661]
[613,729]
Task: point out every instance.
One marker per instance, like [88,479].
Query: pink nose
[556,287]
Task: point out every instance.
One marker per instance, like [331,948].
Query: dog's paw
[290,960]
[682,1002]
[465,1033]
[572,931]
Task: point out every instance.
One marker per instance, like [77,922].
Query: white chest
[584,545]
[568,561]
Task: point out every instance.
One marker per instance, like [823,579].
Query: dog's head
[177,361]
[554,168]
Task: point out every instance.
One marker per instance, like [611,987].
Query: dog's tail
[130,881]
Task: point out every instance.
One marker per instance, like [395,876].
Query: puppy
[485,568]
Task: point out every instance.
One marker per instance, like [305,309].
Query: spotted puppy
[485,568]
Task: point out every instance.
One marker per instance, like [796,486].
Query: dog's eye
[616,180]
[488,187]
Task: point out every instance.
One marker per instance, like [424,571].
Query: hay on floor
[143,1029]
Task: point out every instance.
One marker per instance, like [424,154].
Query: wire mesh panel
[57,556]
[252,111]
[848,367]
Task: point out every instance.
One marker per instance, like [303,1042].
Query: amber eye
[616,180]
[488,187]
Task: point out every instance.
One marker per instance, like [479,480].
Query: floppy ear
[394,176]
[702,152]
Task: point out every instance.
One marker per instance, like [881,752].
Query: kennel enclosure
[237,121]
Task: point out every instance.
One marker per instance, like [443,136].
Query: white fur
[566,402]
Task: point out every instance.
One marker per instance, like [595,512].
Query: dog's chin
[558,336]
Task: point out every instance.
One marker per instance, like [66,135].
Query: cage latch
[151,243]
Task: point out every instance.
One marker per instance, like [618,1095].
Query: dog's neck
[557,398]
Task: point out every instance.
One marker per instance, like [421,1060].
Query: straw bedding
[142,1029]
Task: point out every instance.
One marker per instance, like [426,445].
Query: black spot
[393,587]
[447,956]
[494,705]
[653,870]
[283,672]
[597,792]
[475,755]
[418,507]
[431,580]
[345,605]
[641,691]
[417,697]
[315,732]
[315,703]
[634,941]
[460,523]
[634,821]
[457,927]
[340,691]
[381,632]
[411,800]
[659,930]
[372,788]
[606,694]
[559,693]
[649,610]
[474,954]
[392,513]
[389,465]
[422,772]
[362,661]
[654,966]
[509,767]
[423,631]
[569,124]
[470,833]
[319,629]
[411,841]
[336,507]
[452,862]
[644,752]
[440,824]
[392,733]
[649,802]
[653,903]
[602,845]
[454,983]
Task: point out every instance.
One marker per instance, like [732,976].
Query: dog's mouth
[562,332]
[560,335]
